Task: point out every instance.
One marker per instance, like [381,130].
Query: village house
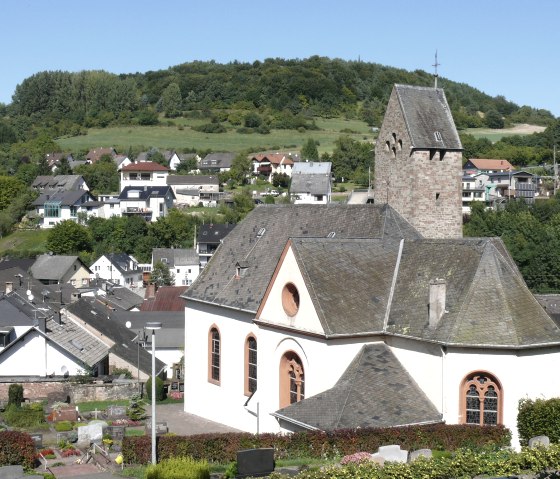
[311,183]
[57,269]
[327,316]
[118,268]
[143,174]
[183,263]
[268,164]
[191,190]
[216,163]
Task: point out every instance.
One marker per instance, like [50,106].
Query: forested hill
[315,86]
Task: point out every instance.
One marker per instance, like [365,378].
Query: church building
[346,316]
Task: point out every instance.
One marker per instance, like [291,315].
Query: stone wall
[424,186]
[64,390]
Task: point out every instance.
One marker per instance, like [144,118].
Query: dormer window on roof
[261,232]
[437,136]
[332,234]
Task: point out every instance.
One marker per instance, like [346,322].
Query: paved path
[185,424]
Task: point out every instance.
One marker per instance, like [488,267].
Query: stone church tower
[418,161]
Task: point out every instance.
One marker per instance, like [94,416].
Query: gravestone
[427,453]
[93,432]
[255,462]
[116,432]
[161,427]
[37,439]
[392,453]
[116,412]
[65,414]
[537,441]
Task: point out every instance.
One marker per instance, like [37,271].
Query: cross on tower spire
[435,65]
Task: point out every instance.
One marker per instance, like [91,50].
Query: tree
[309,150]
[68,237]
[241,168]
[10,188]
[493,119]
[64,167]
[252,120]
[161,276]
[171,101]
[187,166]
[101,176]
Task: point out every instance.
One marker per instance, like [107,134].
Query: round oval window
[290,299]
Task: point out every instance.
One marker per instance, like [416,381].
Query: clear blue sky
[501,47]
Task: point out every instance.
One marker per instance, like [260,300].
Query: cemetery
[62,440]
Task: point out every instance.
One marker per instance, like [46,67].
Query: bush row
[16,448]
[223,448]
[464,463]
[179,468]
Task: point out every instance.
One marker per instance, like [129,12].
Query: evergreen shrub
[537,418]
[179,468]
[160,390]
[15,394]
[16,448]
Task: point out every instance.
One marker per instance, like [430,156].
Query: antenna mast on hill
[435,65]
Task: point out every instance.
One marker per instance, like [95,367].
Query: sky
[501,47]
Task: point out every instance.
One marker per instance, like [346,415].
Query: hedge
[540,417]
[222,448]
[179,468]
[16,448]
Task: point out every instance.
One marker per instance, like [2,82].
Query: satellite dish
[128,324]
[28,292]
[30,297]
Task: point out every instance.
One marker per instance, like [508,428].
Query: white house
[311,182]
[345,316]
[190,190]
[118,268]
[149,202]
[53,207]
[268,164]
[142,174]
[183,263]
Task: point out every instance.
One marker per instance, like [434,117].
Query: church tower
[418,161]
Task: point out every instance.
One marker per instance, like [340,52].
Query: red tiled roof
[145,166]
[274,158]
[486,164]
[168,298]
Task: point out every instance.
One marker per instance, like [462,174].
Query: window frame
[248,379]
[491,383]
[213,354]
[292,374]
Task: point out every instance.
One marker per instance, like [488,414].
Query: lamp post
[153,325]
[129,325]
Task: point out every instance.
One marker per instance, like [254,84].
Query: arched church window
[292,379]
[214,353]
[250,365]
[481,399]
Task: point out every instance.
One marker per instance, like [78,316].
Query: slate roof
[145,166]
[260,238]
[217,160]
[175,257]
[167,298]
[426,112]
[119,296]
[190,180]
[66,198]
[214,233]
[106,322]
[487,302]
[313,184]
[60,182]
[374,391]
[122,262]
[145,192]
[312,167]
[53,267]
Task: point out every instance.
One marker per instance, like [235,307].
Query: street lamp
[137,338]
[153,325]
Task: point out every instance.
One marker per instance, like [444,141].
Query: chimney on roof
[436,305]
[58,317]
[42,324]
[9,287]
[75,297]
[151,291]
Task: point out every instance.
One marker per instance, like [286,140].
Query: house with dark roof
[54,206]
[311,182]
[209,237]
[216,162]
[95,154]
[149,202]
[183,263]
[119,269]
[59,183]
[322,317]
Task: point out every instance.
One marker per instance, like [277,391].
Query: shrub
[15,394]
[16,448]
[210,128]
[179,468]
[356,458]
[47,453]
[125,371]
[63,426]
[25,417]
[136,411]
[539,417]
[160,391]
[70,452]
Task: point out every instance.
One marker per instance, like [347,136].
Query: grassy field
[175,138]
[495,135]
[25,240]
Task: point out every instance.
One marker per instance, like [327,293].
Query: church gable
[287,302]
